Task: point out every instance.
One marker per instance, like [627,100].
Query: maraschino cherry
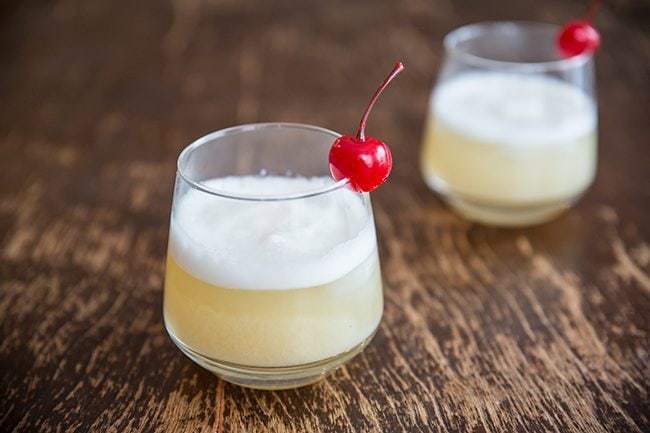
[579,36]
[365,161]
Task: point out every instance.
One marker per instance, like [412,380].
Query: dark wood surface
[485,330]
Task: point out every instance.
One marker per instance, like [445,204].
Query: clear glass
[273,275]
[511,133]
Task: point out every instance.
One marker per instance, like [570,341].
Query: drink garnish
[365,161]
[579,36]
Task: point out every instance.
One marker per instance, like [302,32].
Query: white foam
[274,244]
[513,109]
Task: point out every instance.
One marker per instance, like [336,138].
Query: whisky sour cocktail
[510,141]
[511,134]
[272,283]
[273,275]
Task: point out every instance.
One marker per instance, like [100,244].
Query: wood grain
[539,330]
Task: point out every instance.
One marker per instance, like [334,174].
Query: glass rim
[200,186]
[465,32]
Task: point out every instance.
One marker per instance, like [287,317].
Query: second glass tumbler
[511,136]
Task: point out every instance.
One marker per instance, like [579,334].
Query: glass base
[499,214]
[271,378]
[507,216]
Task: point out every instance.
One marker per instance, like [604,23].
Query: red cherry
[578,37]
[365,161]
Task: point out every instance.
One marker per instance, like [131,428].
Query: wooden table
[485,330]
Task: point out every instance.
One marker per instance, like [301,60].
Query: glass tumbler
[272,275]
[511,133]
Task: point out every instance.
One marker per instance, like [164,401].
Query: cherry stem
[593,7]
[361,134]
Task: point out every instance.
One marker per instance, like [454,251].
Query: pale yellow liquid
[505,175]
[273,328]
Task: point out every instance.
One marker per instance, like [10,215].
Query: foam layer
[270,245]
[512,109]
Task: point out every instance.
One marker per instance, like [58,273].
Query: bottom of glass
[500,214]
[270,378]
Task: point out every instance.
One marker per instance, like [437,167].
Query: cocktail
[273,275]
[511,134]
